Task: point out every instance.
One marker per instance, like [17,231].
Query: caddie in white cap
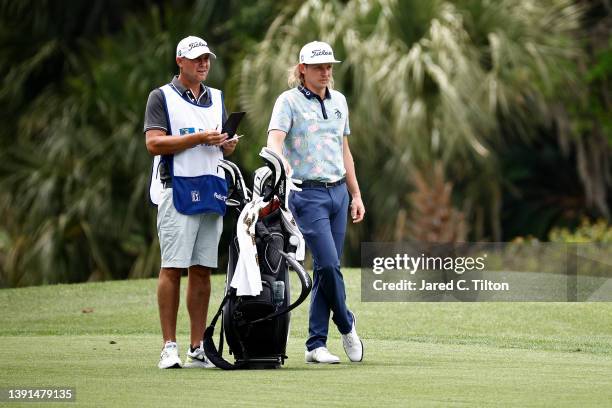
[309,128]
[182,127]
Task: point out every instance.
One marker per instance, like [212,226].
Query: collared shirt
[155,113]
[315,129]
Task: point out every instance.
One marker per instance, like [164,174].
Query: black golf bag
[256,328]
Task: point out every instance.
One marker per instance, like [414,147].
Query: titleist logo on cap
[316,53]
[196,44]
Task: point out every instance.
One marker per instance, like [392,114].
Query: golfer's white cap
[317,52]
[192,47]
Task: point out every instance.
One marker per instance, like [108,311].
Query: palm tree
[76,179]
[427,82]
[73,166]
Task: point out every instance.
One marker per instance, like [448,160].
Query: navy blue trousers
[321,215]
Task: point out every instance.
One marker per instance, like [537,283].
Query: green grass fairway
[417,354]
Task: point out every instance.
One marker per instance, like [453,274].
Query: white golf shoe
[353,346]
[169,356]
[321,355]
[197,359]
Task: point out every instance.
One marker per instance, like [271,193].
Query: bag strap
[221,332]
[209,344]
[306,287]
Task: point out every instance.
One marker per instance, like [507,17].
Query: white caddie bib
[198,183]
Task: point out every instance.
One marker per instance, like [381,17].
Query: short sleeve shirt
[315,129]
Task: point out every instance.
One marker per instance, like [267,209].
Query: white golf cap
[192,47]
[317,52]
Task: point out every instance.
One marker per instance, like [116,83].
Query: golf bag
[256,307]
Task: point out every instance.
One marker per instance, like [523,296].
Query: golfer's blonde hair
[296,78]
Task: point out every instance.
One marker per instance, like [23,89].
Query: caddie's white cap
[192,47]
[317,52]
